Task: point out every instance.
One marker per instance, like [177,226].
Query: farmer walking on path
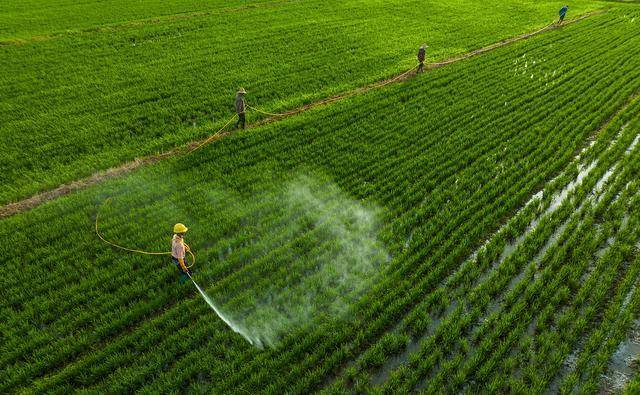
[563,13]
[178,249]
[421,55]
[240,108]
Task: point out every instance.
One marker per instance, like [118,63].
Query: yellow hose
[137,251]
[214,136]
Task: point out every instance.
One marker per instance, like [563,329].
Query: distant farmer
[563,13]
[421,55]
[240,108]
[178,249]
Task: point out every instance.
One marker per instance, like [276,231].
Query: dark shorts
[177,263]
[183,276]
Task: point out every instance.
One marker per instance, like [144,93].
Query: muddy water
[560,197]
[605,177]
[568,366]
[394,362]
[382,374]
[633,145]
[601,251]
[622,365]
[556,202]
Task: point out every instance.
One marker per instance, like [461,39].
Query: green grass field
[472,229]
[111,90]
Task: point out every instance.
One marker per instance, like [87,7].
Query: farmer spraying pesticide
[563,13]
[178,250]
[240,108]
[421,56]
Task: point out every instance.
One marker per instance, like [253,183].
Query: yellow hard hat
[179,228]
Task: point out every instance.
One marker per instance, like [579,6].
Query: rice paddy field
[471,229]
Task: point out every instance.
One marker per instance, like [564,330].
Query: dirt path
[96,178]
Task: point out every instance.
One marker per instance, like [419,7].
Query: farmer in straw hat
[240,108]
[178,249]
[421,55]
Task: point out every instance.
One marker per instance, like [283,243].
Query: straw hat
[241,90]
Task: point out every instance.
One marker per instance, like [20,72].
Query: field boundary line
[13,208]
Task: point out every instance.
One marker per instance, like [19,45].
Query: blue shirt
[563,10]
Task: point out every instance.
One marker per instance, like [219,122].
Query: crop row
[518,254]
[558,295]
[565,328]
[595,179]
[449,333]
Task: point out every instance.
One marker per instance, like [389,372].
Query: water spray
[254,341]
[323,281]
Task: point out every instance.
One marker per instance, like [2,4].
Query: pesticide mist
[313,261]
